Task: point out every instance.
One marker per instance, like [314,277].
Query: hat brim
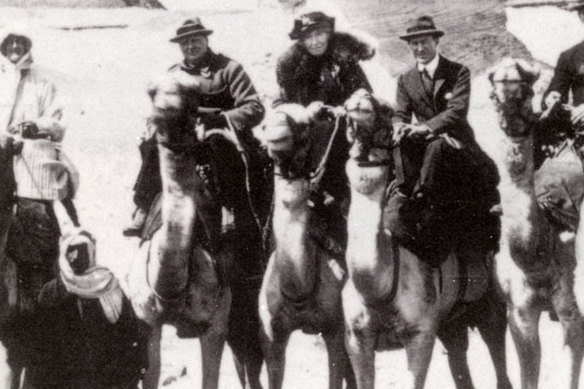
[436,33]
[298,32]
[180,37]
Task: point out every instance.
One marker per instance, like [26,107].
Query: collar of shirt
[430,67]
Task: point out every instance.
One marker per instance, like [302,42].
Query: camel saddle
[459,280]
[559,187]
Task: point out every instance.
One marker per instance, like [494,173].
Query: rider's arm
[248,111]
[562,79]
[50,120]
[403,111]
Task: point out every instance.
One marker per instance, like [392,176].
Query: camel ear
[151,88]
[530,73]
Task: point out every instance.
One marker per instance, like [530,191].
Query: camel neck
[178,215]
[521,221]
[295,255]
[369,261]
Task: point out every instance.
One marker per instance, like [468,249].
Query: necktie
[427,81]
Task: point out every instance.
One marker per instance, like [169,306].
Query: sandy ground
[103,74]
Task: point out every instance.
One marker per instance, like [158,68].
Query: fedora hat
[191,27]
[424,25]
[310,21]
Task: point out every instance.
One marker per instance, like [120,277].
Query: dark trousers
[448,194]
[148,184]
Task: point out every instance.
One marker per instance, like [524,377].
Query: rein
[316,176]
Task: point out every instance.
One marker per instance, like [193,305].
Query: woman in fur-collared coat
[322,68]
[322,65]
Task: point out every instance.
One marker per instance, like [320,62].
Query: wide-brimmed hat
[424,25]
[310,21]
[191,27]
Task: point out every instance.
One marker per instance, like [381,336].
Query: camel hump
[559,188]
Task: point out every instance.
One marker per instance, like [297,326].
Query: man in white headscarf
[83,332]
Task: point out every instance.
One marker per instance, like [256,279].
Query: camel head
[288,140]
[174,99]
[369,134]
[512,91]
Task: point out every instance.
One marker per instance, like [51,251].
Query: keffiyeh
[97,282]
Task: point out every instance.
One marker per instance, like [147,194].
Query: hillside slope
[475,29]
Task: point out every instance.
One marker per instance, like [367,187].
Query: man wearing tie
[439,168]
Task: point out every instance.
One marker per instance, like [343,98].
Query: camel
[392,299]
[303,281]
[535,265]
[184,275]
[7,267]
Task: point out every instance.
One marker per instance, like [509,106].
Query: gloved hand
[315,109]
[552,98]
[28,130]
[214,120]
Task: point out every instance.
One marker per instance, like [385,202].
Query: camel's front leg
[493,333]
[338,361]
[455,340]
[275,354]
[360,344]
[419,351]
[152,376]
[573,327]
[212,344]
[359,337]
[523,323]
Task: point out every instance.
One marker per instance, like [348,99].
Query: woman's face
[15,48]
[316,41]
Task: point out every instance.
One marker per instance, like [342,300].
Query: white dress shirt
[430,67]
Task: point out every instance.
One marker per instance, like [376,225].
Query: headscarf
[11,74]
[97,282]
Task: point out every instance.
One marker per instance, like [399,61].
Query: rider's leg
[148,185]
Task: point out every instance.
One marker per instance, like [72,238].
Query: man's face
[194,48]
[424,48]
[316,41]
[78,258]
[15,48]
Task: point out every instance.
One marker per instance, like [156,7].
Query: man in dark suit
[442,177]
[569,75]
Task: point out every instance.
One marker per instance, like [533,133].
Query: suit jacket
[445,109]
[569,74]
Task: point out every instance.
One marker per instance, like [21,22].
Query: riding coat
[27,95]
[225,89]
[330,78]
